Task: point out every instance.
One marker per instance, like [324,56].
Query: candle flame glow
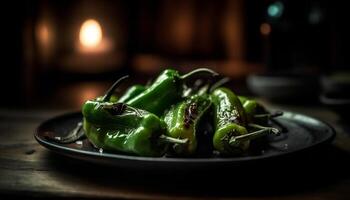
[265,29]
[90,34]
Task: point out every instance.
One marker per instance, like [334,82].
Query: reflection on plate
[303,133]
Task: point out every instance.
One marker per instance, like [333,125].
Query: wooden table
[28,169]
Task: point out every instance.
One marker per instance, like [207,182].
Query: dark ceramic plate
[303,133]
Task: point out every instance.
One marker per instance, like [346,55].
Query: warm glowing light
[265,29]
[45,39]
[43,34]
[90,33]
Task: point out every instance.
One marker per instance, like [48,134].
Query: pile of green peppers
[166,116]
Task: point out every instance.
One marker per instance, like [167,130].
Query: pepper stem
[110,91]
[273,115]
[281,126]
[219,83]
[253,135]
[274,130]
[167,139]
[197,71]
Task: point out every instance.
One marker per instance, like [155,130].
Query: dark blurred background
[60,53]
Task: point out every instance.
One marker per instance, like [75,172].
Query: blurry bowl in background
[285,87]
[335,93]
[339,102]
[336,83]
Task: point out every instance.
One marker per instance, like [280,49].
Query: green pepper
[230,121]
[113,98]
[250,107]
[132,92]
[182,121]
[133,132]
[165,91]
[256,113]
[231,135]
[119,127]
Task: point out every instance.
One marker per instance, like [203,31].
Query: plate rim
[55,147]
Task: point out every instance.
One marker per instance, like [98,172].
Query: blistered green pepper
[119,127]
[229,120]
[182,121]
[165,91]
[249,106]
[132,92]
[231,135]
[256,112]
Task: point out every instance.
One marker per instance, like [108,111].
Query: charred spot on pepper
[191,113]
[116,109]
